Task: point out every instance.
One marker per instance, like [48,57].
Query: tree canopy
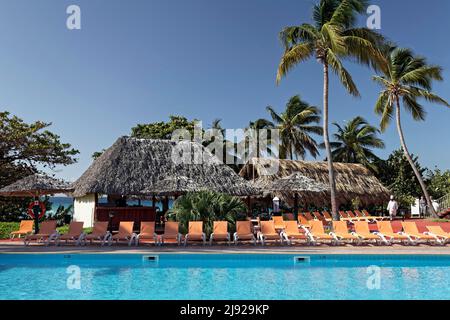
[396,174]
[24,149]
[161,129]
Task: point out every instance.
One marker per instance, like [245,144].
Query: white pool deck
[423,249]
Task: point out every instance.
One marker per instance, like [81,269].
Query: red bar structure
[136,214]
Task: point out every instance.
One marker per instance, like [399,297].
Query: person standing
[435,205]
[422,207]
[392,208]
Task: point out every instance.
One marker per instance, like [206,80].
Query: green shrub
[241,216]
[65,228]
[205,206]
[265,216]
[7,227]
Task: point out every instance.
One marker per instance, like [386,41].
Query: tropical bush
[205,206]
[62,215]
[439,183]
[7,227]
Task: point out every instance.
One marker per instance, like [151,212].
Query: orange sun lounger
[220,232]
[125,233]
[195,232]
[411,231]
[100,233]
[147,233]
[317,233]
[268,232]
[171,233]
[46,233]
[360,215]
[309,216]
[318,216]
[368,215]
[327,216]
[354,217]
[25,228]
[344,217]
[439,232]
[279,222]
[340,232]
[291,232]
[385,229]
[244,232]
[363,232]
[302,221]
[75,234]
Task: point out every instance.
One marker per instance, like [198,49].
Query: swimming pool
[223,276]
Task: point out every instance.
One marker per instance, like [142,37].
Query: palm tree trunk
[326,140]
[410,160]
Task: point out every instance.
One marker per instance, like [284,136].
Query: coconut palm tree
[354,141]
[228,147]
[295,125]
[252,134]
[408,78]
[331,38]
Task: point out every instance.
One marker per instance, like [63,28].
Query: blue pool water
[223,276]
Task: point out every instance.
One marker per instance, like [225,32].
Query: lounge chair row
[100,233]
[349,216]
[48,233]
[312,232]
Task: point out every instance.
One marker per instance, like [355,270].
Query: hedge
[7,227]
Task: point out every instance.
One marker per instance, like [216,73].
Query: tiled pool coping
[345,250]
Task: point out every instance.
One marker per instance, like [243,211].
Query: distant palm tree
[253,133]
[332,37]
[354,141]
[296,124]
[228,147]
[406,77]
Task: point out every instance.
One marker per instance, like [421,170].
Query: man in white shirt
[392,208]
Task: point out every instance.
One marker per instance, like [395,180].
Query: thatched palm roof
[297,183]
[174,186]
[36,185]
[131,166]
[352,180]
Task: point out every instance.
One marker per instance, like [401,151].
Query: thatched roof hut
[297,183]
[36,185]
[134,166]
[352,180]
[173,186]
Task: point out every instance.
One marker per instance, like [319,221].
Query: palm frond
[344,76]
[298,53]
[413,107]
[275,116]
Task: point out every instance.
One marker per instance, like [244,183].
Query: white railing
[444,202]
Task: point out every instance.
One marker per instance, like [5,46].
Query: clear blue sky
[140,61]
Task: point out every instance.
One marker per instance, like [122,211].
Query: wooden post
[154,202]
[165,204]
[296,204]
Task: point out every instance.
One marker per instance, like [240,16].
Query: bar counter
[136,214]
